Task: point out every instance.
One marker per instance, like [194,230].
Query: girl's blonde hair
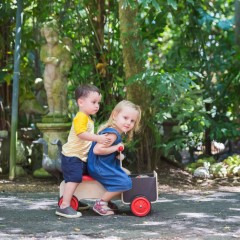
[118,108]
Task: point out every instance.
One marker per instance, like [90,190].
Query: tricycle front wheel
[73,204]
[140,206]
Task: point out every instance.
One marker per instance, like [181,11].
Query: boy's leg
[81,205]
[69,189]
[65,210]
[72,172]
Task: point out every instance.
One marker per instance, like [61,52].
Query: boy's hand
[104,139]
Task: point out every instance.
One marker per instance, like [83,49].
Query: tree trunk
[237,23]
[96,13]
[14,122]
[132,49]
[237,36]
[97,16]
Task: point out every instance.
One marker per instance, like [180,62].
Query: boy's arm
[103,139]
[80,123]
[105,149]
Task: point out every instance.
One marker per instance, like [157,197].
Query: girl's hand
[120,157]
[120,147]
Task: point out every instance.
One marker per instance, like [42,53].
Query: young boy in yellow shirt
[75,151]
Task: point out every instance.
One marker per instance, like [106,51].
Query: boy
[75,151]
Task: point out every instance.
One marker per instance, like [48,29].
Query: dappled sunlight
[16,230]
[112,238]
[216,196]
[161,200]
[206,231]
[210,199]
[11,202]
[230,219]
[6,236]
[14,203]
[149,223]
[235,209]
[150,234]
[203,224]
[198,216]
[43,205]
[180,227]
[195,215]
[205,214]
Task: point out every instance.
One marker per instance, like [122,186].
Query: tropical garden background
[179,60]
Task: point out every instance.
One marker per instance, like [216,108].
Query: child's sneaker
[102,208]
[112,206]
[68,212]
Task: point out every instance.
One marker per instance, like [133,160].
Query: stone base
[53,131]
[55,118]
[20,171]
[41,173]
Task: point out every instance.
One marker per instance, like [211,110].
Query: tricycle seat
[87,178]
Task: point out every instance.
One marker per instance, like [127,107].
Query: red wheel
[74,202]
[140,206]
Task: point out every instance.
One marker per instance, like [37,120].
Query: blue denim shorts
[73,168]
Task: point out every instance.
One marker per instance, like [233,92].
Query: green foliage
[74,21]
[227,168]
[77,24]
[177,99]
[232,160]
[191,167]
[200,162]
[191,69]
[218,170]
[191,62]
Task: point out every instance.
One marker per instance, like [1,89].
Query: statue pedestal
[52,132]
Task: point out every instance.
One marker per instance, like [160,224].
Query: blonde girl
[103,162]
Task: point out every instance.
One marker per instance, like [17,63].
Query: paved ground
[205,216]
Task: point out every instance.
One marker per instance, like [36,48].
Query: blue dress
[106,169]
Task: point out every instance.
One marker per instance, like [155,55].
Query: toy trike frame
[144,192]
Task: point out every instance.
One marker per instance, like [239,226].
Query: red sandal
[102,208]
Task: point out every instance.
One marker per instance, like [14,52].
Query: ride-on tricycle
[144,192]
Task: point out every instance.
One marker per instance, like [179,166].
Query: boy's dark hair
[84,90]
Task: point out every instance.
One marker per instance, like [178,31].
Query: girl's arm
[101,149]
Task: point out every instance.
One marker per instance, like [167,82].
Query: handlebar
[120,149]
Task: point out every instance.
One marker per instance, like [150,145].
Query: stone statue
[56,56]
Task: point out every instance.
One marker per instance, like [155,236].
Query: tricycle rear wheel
[73,204]
[140,206]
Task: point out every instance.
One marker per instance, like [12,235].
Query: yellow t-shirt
[75,147]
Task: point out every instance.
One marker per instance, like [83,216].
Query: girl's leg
[101,206]
[109,195]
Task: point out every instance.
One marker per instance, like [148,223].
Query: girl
[103,163]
